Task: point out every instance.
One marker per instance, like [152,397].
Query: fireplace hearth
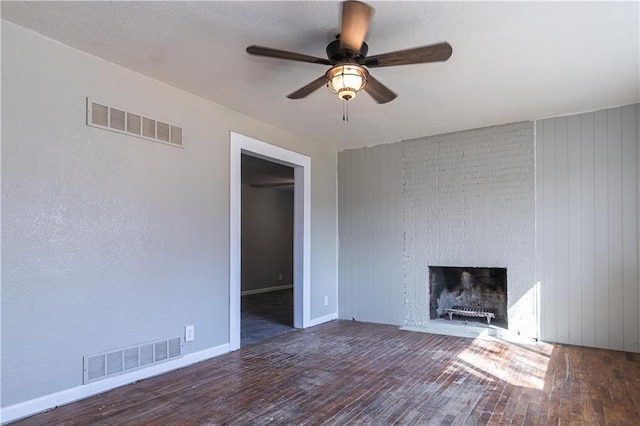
[470,294]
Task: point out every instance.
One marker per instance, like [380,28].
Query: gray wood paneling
[638,194]
[587,224]
[562,231]
[540,231]
[587,229]
[630,226]
[344,219]
[370,231]
[614,192]
[601,260]
[574,265]
[548,169]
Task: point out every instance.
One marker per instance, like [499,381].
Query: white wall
[110,240]
[587,223]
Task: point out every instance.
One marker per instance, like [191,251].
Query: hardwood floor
[347,372]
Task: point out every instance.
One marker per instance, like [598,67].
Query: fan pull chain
[345,110]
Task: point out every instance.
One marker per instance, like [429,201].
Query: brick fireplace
[469,199]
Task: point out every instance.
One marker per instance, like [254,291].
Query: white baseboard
[321,320]
[266,289]
[43,403]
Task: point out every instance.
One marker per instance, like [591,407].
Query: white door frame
[301,164]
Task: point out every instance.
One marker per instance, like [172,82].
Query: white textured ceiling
[511,61]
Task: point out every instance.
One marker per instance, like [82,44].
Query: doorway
[301,165]
[266,262]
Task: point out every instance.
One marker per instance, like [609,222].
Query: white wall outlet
[189,333]
[280,277]
[326,301]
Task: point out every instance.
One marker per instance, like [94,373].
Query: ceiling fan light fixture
[346,80]
[347,56]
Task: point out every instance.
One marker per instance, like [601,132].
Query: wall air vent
[104,116]
[111,363]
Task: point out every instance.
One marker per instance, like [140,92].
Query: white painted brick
[469,201]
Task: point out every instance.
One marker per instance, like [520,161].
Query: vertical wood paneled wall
[587,228]
[370,234]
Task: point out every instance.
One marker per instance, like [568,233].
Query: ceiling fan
[348,58]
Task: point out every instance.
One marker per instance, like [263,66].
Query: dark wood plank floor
[347,372]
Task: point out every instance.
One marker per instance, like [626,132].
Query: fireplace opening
[477,295]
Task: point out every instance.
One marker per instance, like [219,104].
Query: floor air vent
[118,120]
[111,363]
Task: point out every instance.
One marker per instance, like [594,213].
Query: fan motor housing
[336,54]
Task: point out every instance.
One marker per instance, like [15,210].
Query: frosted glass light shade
[346,80]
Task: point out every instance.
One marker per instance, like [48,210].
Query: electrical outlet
[189,333]
[326,301]
[280,277]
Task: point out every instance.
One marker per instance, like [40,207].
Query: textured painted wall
[267,237]
[109,240]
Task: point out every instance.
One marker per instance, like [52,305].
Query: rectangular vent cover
[111,363]
[118,120]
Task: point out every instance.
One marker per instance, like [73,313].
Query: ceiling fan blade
[433,53]
[356,17]
[378,91]
[308,89]
[283,54]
